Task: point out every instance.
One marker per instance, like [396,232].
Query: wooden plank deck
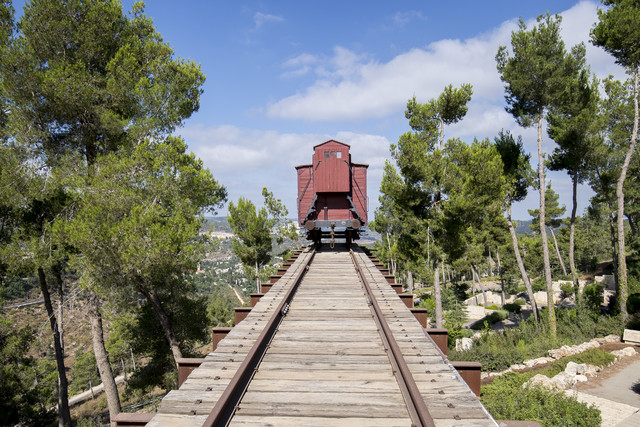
[327,364]
[346,381]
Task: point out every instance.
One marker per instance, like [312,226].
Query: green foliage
[16,287]
[191,326]
[487,321]
[593,356]
[533,78]
[84,373]
[519,301]
[222,300]
[252,228]
[513,307]
[617,31]
[533,403]
[506,399]
[27,388]
[553,211]
[593,297]
[538,284]
[501,349]
[633,303]
[282,227]
[567,289]
[498,316]
[454,319]
[492,307]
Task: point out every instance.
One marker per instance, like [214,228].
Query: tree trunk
[60,287]
[572,241]
[474,271]
[436,293]
[632,225]
[133,359]
[410,281]
[614,249]
[165,323]
[502,295]
[543,235]
[124,369]
[257,278]
[555,243]
[64,416]
[523,272]
[621,294]
[428,245]
[490,263]
[102,358]
[473,285]
[389,249]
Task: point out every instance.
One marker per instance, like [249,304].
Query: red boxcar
[332,194]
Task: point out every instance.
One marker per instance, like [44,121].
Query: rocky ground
[614,390]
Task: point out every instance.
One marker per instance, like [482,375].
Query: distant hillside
[522,226]
[217,223]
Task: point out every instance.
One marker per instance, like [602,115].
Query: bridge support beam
[240,313]
[440,336]
[186,365]
[421,315]
[407,299]
[274,278]
[255,298]
[132,419]
[217,335]
[470,373]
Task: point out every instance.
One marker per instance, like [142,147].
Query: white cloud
[246,160]
[260,19]
[352,86]
[401,19]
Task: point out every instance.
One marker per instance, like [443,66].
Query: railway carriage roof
[329,141]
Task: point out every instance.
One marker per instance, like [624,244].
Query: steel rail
[228,402]
[418,410]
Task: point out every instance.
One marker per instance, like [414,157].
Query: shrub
[490,319]
[567,289]
[593,296]
[593,356]
[497,316]
[454,319]
[506,399]
[492,307]
[498,350]
[512,308]
[520,301]
[633,303]
[539,284]
[634,322]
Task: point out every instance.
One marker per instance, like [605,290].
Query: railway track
[330,344]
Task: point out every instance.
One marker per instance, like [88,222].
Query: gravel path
[616,392]
[620,383]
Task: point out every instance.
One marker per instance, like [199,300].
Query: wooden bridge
[330,343]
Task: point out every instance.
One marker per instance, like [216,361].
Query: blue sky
[283,76]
